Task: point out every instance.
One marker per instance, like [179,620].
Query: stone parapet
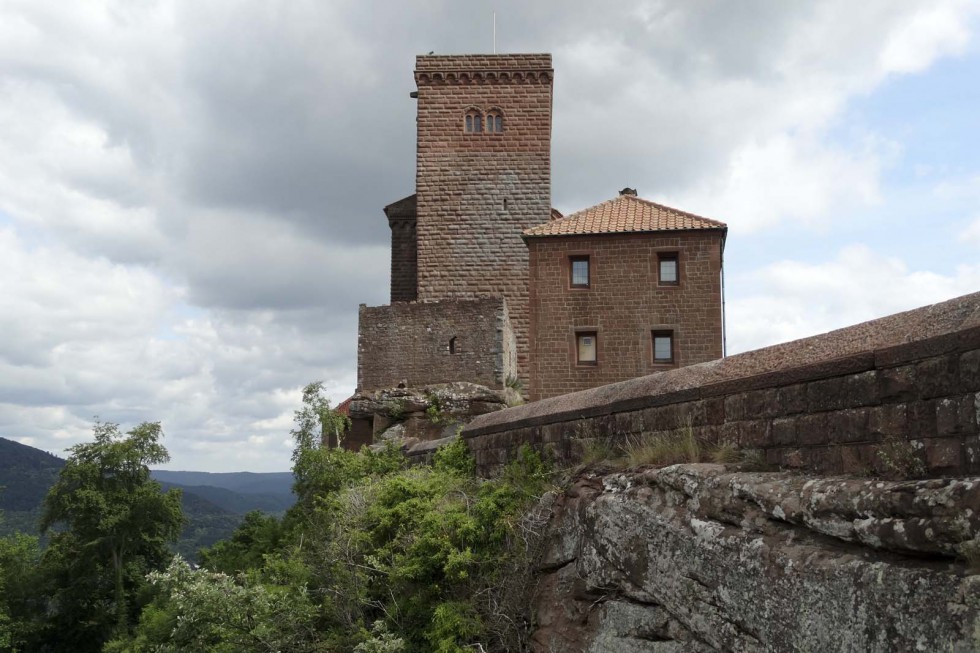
[824,403]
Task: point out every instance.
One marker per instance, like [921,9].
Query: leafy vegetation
[373,557]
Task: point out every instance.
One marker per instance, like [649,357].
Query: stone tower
[459,268]
[483,176]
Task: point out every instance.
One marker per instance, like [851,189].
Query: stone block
[849,425]
[969,365]
[825,460]
[861,389]
[791,399]
[938,376]
[944,455]
[922,419]
[826,394]
[755,434]
[956,415]
[858,459]
[897,384]
[735,407]
[784,431]
[812,429]
[628,422]
[971,455]
[888,421]
[714,409]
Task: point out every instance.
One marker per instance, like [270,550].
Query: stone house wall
[434,342]
[623,304]
[825,403]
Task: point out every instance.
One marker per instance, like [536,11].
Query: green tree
[257,536]
[21,605]
[111,524]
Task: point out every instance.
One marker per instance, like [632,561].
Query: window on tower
[495,122]
[473,122]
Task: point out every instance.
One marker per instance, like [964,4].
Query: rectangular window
[580,271]
[668,272]
[663,346]
[587,344]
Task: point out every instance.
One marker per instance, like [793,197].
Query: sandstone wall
[434,342]
[623,304]
[824,403]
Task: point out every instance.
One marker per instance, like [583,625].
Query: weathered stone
[938,377]
[696,558]
[970,371]
[897,383]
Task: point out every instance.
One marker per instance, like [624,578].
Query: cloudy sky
[191,192]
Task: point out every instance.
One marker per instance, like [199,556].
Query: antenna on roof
[495,32]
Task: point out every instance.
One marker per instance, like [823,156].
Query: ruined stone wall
[824,403]
[477,192]
[623,304]
[434,342]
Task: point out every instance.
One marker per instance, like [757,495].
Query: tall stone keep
[483,176]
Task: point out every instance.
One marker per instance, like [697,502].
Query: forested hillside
[213,504]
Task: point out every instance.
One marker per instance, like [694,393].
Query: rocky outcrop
[413,416]
[702,558]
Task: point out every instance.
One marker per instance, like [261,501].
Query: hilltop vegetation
[374,557]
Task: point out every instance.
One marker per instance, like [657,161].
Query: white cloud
[971,234]
[791,299]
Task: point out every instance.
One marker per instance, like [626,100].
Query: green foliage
[454,459]
[432,558]
[198,610]
[257,536]
[111,525]
[435,410]
[316,422]
[21,606]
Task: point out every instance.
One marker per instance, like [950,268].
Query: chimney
[628,191]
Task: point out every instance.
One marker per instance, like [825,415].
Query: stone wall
[420,344]
[477,192]
[404,250]
[824,403]
[623,304]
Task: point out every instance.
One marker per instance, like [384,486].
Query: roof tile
[624,214]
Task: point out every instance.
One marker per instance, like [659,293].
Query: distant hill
[276,487]
[213,503]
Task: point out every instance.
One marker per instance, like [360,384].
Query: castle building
[491,285]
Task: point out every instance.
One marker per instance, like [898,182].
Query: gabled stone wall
[623,305]
[825,403]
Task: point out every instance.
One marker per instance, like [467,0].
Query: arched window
[495,122]
[473,122]
[452,345]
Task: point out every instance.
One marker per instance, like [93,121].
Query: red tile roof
[623,214]
[343,408]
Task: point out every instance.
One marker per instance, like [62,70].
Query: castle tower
[483,176]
